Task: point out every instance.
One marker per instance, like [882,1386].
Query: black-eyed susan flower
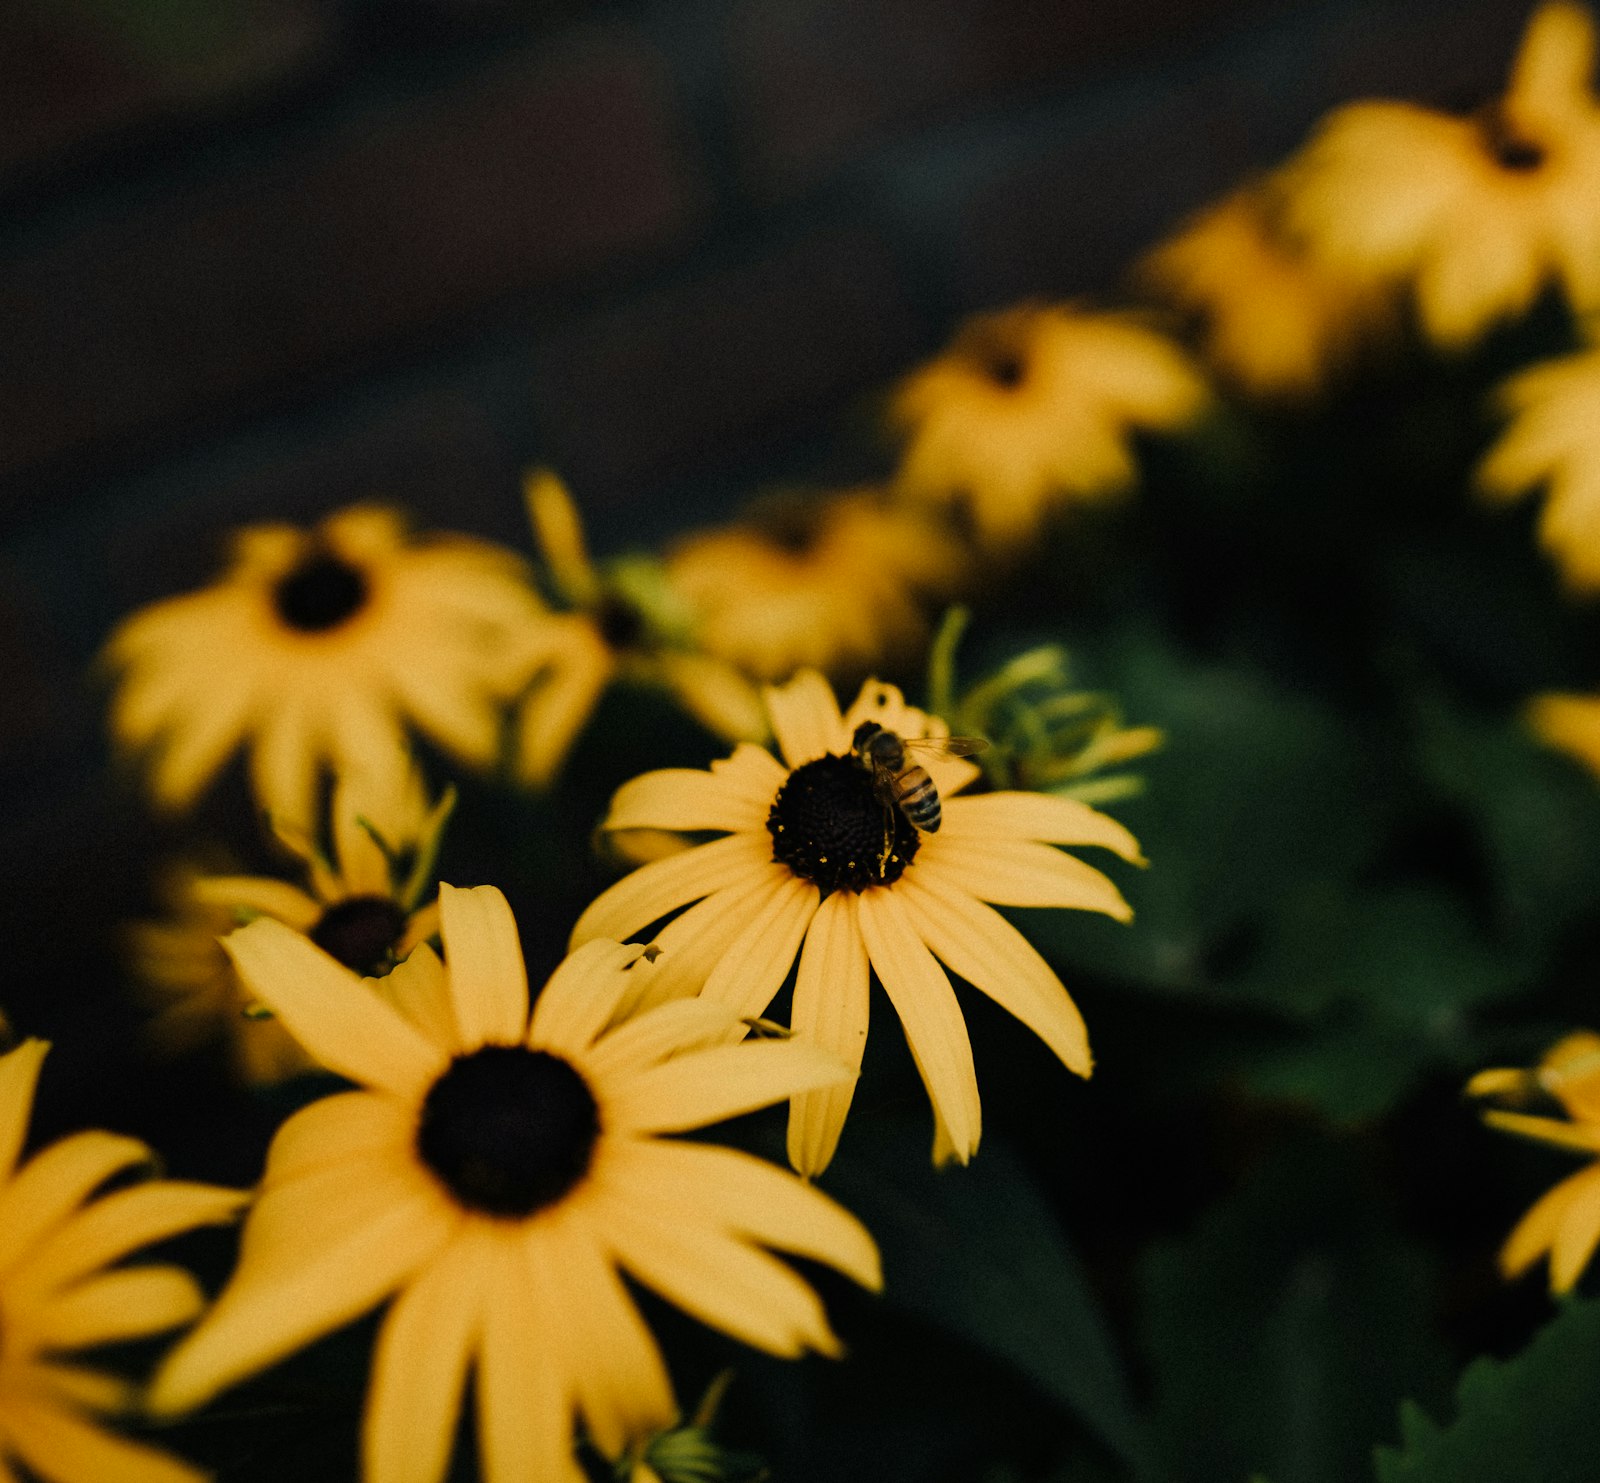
[1271,320]
[1477,214]
[1554,440]
[1564,1224]
[60,1292]
[1033,407]
[364,906]
[816,863]
[625,623]
[492,1175]
[835,582]
[316,648]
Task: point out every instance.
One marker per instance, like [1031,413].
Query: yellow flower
[1554,439]
[56,1293]
[491,1176]
[1274,321]
[1036,406]
[315,647]
[362,907]
[1570,724]
[1477,214]
[1565,1222]
[815,864]
[831,583]
[624,623]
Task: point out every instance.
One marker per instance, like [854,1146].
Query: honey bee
[902,783]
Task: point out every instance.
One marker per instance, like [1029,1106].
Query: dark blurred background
[260,258]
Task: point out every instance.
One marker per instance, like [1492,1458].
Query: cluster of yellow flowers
[502,1158]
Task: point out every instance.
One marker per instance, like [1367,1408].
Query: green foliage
[1533,1418]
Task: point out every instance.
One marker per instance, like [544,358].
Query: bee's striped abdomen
[918,799]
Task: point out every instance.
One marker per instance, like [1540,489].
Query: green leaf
[1284,1330]
[1533,1419]
[976,1251]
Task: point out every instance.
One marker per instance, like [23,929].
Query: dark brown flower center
[621,624]
[320,593]
[830,824]
[1512,150]
[509,1130]
[1006,369]
[361,932]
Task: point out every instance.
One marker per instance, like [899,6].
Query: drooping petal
[488,982]
[1040,816]
[130,1303]
[52,1184]
[753,967]
[339,1019]
[583,994]
[19,1076]
[805,718]
[1577,1231]
[830,1010]
[707,1086]
[55,1444]
[681,1184]
[1019,872]
[524,1402]
[654,890]
[608,1355]
[926,1004]
[1535,1234]
[976,942]
[420,1364]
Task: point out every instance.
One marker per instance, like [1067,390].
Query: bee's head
[872,743]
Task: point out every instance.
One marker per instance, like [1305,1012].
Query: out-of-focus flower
[1033,407]
[60,1290]
[1569,723]
[363,907]
[817,863]
[834,582]
[491,1175]
[625,622]
[1565,1222]
[1477,214]
[315,648]
[1554,440]
[1275,322]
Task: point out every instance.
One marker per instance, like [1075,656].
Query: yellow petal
[52,1184]
[339,1019]
[346,1127]
[707,1086]
[127,1304]
[1585,1137]
[686,798]
[419,988]
[926,1004]
[559,533]
[1577,1232]
[583,994]
[976,942]
[259,895]
[1535,1233]
[560,704]
[1038,816]
[57,1445]
[661,887]
[284,759]
[1019,872]
[607,1353]
[805,718]
[716,694]
[420,1363]
[650,1037]
[691,945]
[488,982]
[755,964]
[19,1075]
[830,1011]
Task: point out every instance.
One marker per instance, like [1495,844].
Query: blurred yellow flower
[833,582]
[1565,1222]
[1272,320]
[362,908]
[315,647]
[624,623]
[1036,406]
[1554,440]
[1569,723]
[491,1175]
[1477,214]
[60,1289]
[815,864]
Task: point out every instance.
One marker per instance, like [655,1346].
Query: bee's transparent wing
[946,746]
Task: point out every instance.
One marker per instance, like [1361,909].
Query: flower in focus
[491,1175]
[315,647]
[362,907]
[1273,320]
[830,583]
[624,623]
[816,864]
[1478,214]
[1554,440]
[59,1289]
[1565,1222]
[1036,406]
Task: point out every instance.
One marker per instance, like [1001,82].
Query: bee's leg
[888,835]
